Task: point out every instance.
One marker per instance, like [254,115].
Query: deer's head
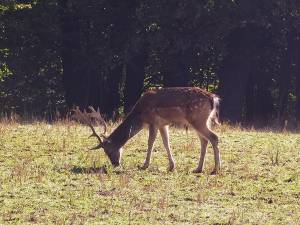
[113,152]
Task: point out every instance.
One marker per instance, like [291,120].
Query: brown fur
[179,105]
[158,108]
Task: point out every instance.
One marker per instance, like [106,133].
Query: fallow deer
[159,108]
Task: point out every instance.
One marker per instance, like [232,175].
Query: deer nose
[116,163]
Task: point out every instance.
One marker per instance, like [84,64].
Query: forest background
[58,53]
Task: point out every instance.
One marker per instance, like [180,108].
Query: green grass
[47,177]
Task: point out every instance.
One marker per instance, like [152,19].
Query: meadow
[48,176]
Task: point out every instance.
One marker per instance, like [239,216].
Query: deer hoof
[214,172]
[197,170]
[143,167]
[171,168]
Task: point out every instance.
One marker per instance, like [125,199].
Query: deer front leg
[204,143]
[151,139]
[164,132]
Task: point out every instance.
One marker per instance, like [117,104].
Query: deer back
[175,106]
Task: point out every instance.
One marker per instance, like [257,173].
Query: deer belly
[173,115]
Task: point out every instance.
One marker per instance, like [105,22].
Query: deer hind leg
[213,139]
[164,132]
[206,133]
[151,139]
[204,143]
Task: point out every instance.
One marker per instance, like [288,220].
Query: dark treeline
[58,53]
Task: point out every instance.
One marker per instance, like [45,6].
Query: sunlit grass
[48,175]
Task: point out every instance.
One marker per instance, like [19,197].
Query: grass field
[48,176]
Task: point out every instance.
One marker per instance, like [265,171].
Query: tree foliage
[58,53]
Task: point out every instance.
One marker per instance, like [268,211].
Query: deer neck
[126,130]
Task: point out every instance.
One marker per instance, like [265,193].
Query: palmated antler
[85,118]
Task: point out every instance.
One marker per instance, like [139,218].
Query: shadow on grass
[89,170]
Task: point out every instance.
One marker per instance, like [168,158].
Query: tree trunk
[176,72]
[249,100]
[122,32]
[232,89]
[243,47]
[298,98]
[75,85]
[284,87]
[263,106]
[111,94]
[296,72]
[134,83]
[285,79]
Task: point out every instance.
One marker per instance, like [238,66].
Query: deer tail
[214,114]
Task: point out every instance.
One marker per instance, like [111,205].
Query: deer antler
[84,117]
[96,115]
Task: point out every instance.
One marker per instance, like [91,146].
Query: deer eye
[108,141]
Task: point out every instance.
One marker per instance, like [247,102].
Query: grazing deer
[159,108]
